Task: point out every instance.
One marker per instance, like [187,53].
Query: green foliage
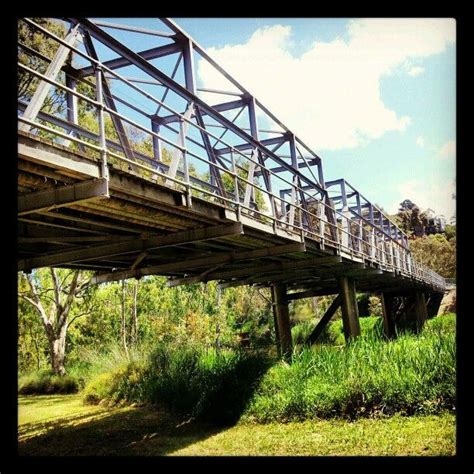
[38,41]
[371,376]
[450,232]
[45,382]
[375,306]
[437,252]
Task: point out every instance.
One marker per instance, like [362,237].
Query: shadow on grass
[45,400]
[142,431]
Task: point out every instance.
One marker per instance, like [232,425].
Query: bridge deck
[147,228]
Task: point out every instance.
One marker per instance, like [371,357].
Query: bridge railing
[235,170]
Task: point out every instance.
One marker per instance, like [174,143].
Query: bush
[45,382]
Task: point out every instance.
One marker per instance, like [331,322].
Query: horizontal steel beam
[62,196]
[135,245]
[248,146]
[148,54]
[223,107]
[333,182]
[134,29]
[201,262]
[280,169]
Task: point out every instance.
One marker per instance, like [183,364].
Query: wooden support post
[324,320]
[420,310]
[350,311]
[433,304]
[283,320]
[387,314]
[275,322]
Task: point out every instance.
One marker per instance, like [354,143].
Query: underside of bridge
[88,202]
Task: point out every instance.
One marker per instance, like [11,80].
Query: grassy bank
[413,374]
[63,425]
[410,375]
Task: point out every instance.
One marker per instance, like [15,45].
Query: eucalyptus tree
[59,297]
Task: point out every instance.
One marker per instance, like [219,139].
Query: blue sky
[375,98]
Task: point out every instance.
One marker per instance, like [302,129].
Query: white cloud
[448,150]
[416,71]
[420,141]
[330,95]
[441,197]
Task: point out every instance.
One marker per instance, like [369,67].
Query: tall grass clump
[206,384]
[411,374]
[46,383]
[333,333]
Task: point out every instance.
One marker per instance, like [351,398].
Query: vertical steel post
[236,185]
[72,110]
[189,66]
[71,100]
[185,161]
[101,115]
[155,128]
[267,177]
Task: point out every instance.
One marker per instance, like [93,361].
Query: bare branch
[35,300]
[86,313]
[57,289]
[69,300]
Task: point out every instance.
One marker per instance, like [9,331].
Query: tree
[411,219]
[437,252]
[55,297]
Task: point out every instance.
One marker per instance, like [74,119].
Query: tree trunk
[123,326]
[57,348]
[135,314]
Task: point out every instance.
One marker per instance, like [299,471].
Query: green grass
[413,374]
[41,413]
[62,425]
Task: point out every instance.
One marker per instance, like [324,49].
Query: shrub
[45,382]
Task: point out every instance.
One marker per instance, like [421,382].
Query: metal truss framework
[268,175]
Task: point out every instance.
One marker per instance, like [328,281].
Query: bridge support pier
[420,310]
[387,314]
[283,328]
[433,304]
[350,311]
[275,322]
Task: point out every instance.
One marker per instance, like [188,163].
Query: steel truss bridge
[127,167]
